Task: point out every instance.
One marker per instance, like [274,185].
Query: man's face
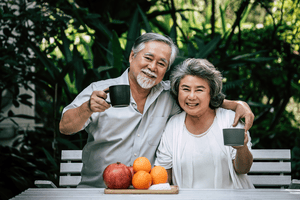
[149,66]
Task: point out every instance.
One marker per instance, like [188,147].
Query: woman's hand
[246,139]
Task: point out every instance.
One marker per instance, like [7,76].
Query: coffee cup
[119,95]
[234,136]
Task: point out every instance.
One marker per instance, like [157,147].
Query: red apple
[117,176]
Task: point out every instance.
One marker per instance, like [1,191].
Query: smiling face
[148,66]
[194,96]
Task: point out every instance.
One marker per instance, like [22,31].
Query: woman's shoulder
[174,123]
[225,117]
[177,117]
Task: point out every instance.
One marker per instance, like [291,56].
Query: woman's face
[194,95]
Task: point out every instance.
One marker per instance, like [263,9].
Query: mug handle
[106,91]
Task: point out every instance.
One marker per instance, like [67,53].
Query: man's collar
[165,85]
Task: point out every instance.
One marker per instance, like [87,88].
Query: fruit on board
[131,170]
[141,180]
[141,164]
[159,175]
[117,176]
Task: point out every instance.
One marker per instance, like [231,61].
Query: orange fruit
[141,163]
[141,180]
[159,175]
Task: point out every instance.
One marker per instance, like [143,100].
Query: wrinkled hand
[245,143]
[97,101]
[243,111]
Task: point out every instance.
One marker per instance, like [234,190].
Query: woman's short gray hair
[202,69]
[139,44]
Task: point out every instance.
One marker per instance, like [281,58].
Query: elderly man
[123,134]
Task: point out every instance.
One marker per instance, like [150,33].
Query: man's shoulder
[103,84]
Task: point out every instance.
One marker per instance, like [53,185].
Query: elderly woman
[192,148]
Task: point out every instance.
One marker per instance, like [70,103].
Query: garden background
[57,48]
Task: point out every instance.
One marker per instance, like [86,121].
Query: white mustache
[147,71]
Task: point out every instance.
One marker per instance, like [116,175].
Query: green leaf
[92,16]
[110,53]
[75,11]
[10,113]
[25,102]
[232,84]
[191,49]
[208,48]
[246,13]
[133,33]
[199,42]
[147,25]
[258,104]
[44,59]
[261,59]
[173,33]
[222,13]
[117,52]
[102,68]
[68,143]
[101,28]
[66,47]
[49,157]
[25,96]
[79,68]
[248,55]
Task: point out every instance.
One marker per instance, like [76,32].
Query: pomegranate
[132,172]
[117,176]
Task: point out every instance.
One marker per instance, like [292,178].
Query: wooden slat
[258,154]
[271,154]
[44,184]
[271,167]
[70,167]
[72,155]
[66,181]
[264,180]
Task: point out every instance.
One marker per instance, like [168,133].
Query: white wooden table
[98,194]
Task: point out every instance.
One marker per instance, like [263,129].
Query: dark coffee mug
[233,136]
[119,95]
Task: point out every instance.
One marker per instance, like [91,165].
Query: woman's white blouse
[202,161]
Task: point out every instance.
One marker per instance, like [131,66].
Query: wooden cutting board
[174,190]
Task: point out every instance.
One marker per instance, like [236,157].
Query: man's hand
[243,111]
[97,101]
[74,119]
